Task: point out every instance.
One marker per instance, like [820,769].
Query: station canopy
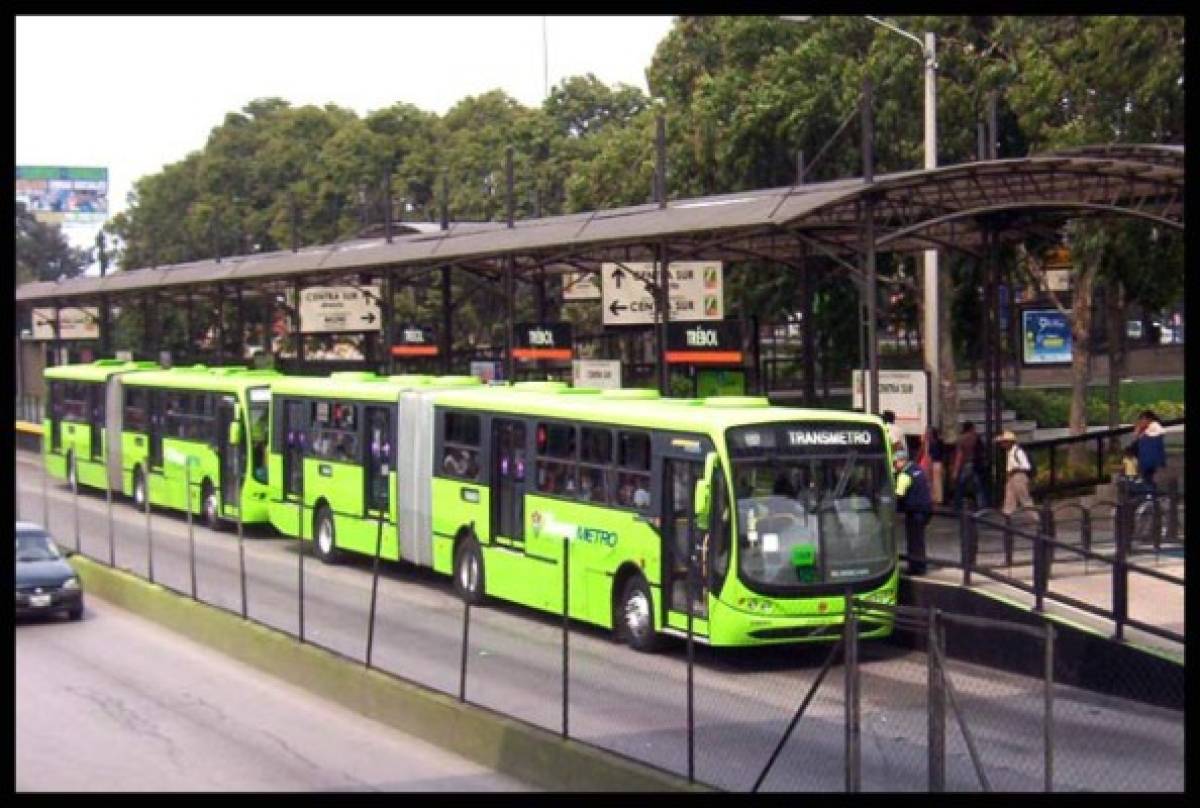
[910,211]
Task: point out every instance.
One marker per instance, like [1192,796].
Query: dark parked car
[45,581]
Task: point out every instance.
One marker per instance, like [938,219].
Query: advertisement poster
[1045,337]
[64,194]
[904,392]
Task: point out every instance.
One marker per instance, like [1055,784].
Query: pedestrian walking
[931,462]
[914,501]
[1017,474]
[895,434]
[1151,448]
[966,471]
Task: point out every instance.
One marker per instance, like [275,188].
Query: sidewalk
[1153,601]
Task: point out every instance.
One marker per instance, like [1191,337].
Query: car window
[36,547]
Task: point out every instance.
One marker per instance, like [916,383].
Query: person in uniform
[914,500]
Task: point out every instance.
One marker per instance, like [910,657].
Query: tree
[43,252]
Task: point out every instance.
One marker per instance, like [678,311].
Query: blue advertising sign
[1046,336]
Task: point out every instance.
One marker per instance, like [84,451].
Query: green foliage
[1050,407]
[43,252]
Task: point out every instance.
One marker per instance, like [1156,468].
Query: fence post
[1156,525]
[1048,723]
[691,655]
[1120,581]
[241,538]
[112,540]
[187,487]
[462,673]
[1008,542]
[374,587]
[300,555]
[850,634]
[1053,470]
[75,500]
[1085,534]
[566,631]
[967,539]
[149,532]
[1173,511]
[45,487]
[936,700]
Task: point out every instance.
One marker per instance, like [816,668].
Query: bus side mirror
[702,497]
[235,433]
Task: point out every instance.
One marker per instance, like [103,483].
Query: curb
[530,754]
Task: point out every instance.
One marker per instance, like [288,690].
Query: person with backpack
[913,499]
[1018,472]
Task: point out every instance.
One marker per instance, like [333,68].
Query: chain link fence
[909,713]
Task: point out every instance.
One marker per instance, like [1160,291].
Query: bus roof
[366,386]
[97,371]
[646,409]
[201,377]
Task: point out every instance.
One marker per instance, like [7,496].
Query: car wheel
[325,536]
[468,571]
[140,494]
[76,614]
[636,614]
[212,516]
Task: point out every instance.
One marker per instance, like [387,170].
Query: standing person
[914,501]
[895,435]
[930,461]
[1017,473]
[966,471]
[1151,449]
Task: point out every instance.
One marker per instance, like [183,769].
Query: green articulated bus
[335,455]
[778,511]
[82,427]
[206,426]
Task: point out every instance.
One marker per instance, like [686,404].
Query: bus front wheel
[212,517]
[636,613]
[468,571]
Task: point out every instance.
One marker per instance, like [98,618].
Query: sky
[136,93]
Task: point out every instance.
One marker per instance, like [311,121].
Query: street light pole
[931,341]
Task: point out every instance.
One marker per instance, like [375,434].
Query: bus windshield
[812,518]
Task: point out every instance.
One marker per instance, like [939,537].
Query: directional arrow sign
[332,309]
[696,292]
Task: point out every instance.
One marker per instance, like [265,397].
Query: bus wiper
[840,489]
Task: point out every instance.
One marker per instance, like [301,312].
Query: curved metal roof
[912,210]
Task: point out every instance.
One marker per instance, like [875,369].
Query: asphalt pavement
[117,703]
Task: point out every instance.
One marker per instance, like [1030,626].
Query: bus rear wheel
[636,615]
[468,571]
[208,504]
[325,536]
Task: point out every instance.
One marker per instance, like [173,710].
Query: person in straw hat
[1017,471]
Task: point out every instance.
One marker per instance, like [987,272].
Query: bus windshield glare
[811,511]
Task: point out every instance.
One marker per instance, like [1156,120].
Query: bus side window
[460,445]
[633,470]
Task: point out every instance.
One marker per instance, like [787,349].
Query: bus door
[683,540]
[54,415]
[96,395]
[379,458]
[155,426]
[232,458]
[293,434]
[508,479]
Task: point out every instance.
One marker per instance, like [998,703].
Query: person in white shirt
[1017,472]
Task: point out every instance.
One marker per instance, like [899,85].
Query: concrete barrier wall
[527,753]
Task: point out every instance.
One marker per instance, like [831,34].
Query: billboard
[64,194]
[904,392]
[1045,337]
